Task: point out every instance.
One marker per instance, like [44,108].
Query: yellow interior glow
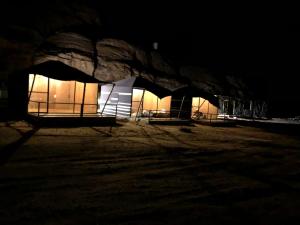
[63,96]
[150,101]
[207,109]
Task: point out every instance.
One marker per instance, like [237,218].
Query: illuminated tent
[183,101]
[56,88]
[60,71]
[128,96]
[139,82]
[192,91]
[237,96]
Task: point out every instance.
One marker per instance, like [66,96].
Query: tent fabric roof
[61,71]
[205,88]
[140,82]
[196,92]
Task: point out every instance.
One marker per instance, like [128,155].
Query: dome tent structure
[58,89]
[121,98]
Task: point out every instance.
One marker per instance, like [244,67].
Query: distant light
[155,45]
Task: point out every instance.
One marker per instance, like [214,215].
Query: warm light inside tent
[203,109]
[56,96]
[144,101]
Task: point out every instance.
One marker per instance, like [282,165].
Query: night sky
[247,39]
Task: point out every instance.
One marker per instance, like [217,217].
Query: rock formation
[71,33]
[109,60]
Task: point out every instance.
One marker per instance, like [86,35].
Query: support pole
[117,107]
[107,99]
[202,103]
[131,102]
[39,104]
[181,106]
[141,102]
[74,99]
[31,89]
[82,103]
[233,107]
[48,87]
[156,104]
[208,110]
[98,91]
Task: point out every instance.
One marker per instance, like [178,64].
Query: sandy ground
[144,174]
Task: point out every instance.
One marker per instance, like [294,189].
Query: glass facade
[203,109]
[48,95]
[149,101]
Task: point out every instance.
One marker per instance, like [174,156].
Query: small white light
[155,45]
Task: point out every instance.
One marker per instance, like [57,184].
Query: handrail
[159,114]
[209,116]
[39,112]
[62,103]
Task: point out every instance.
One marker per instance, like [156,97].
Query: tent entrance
[146,104]
[128,102]
[203,109]
[47,96]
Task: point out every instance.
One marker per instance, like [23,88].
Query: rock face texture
[25,25]
[216,84]
[109,60]
[71,33]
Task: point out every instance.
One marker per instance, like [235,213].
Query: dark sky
[248,38]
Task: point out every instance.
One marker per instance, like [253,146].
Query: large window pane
[40,83]
[61,96]
[37,93]
[151,102]
[90,100]
[205,108]
[35,107]
[164,104]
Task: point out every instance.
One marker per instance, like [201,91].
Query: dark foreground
[148,175]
